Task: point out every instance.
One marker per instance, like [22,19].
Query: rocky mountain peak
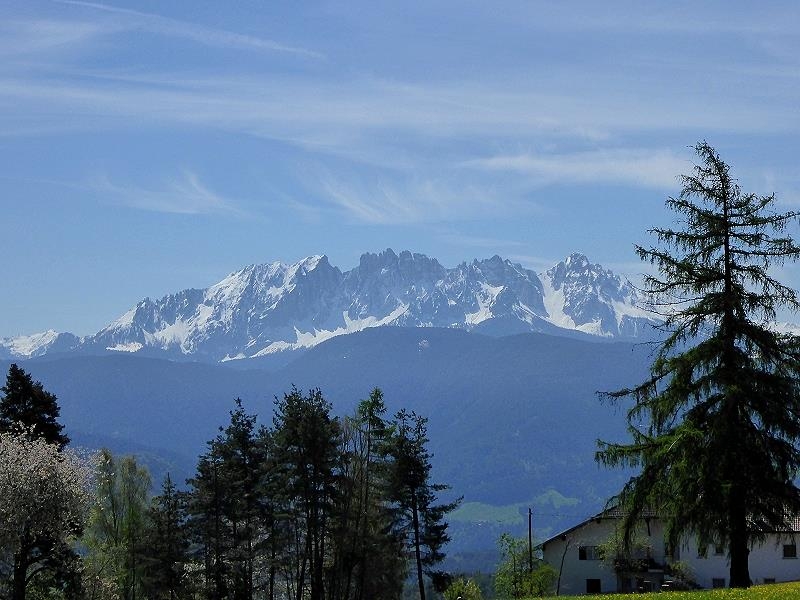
[576,262]
[272,307]
[589,297]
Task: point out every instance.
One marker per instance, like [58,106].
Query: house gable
[574,555]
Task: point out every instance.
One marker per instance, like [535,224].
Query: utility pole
[530,540]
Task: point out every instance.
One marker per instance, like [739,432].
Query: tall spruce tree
[715,428]
[167,545]
[230,511]
[207,523]
[215,517]
[25,402]
[307,442]
[242,456]
[417,518]
[366,557]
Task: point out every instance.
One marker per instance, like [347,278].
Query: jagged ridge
[269,308]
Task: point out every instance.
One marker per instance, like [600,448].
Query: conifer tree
[367,557]
[167,546]
[307,441]
[230,511]
[207,523]
[716,426]
[242,460]
[417,518]
[25,402]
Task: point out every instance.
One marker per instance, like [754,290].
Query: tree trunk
[21,564]
[739,550]
[740,570]
[20,573]
[272,559]
[417,551]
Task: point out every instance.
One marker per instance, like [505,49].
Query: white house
[576,557]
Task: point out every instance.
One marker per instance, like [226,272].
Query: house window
[790,551]
[672,552]
[719,549]
[718,582]
[588,553]
[702,552]
[593,586]
[769,580]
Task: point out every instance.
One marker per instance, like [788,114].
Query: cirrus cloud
[185,195]
[645,168]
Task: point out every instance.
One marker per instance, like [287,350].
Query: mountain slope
[511,418]
[263,310]
[38,344]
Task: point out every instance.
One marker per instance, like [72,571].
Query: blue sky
[153,146]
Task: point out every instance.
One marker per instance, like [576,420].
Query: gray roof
[616,512]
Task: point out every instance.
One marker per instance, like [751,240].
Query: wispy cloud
[409,200]
[19,38]
[184,194]
[422,130]
[646,168]
[706,19]
[352,114]
[196,33]
[320,114]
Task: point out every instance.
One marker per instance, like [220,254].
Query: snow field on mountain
[274,307]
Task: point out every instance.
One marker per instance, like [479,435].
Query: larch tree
[715,427]
[115,534]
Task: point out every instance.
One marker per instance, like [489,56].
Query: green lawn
[776,591]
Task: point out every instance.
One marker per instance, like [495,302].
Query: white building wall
[766,561]
[574,572]
[769,562]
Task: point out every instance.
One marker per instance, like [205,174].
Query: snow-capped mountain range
[270,308]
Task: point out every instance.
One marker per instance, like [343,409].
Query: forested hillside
[508,417]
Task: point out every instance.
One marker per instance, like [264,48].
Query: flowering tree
[45,499]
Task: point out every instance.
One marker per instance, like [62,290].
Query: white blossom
[44,492]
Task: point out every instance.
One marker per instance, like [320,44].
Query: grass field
[776,591]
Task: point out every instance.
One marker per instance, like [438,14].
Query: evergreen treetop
[25,402]
[715,428]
